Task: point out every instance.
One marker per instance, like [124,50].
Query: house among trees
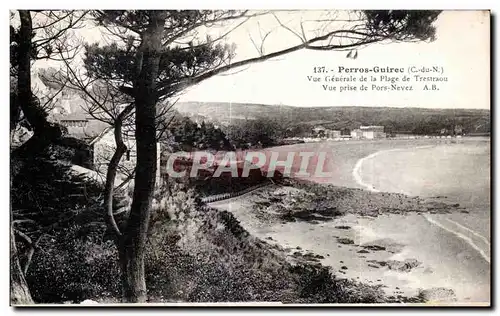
[458,130]
[322,132]
[319,131]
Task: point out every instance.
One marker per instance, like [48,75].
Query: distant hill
[414,120]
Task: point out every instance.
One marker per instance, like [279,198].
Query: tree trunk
[33,113]
[133,245]
[19,291]
[109,187]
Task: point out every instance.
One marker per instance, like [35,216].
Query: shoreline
[356,172]
[457,230]
[347,242]
[358,176]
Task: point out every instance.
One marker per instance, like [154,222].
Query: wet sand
[455,173]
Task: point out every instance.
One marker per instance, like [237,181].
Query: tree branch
[306,45]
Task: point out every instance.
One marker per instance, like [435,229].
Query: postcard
[250,157]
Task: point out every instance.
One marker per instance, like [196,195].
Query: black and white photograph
[217,157]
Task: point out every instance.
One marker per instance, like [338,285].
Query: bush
[74,259]
[197,254]
[316,284]
[72,268]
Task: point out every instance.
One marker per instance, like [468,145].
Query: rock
[363,251]
[374,247]
[403,266]
[384,244]
[345,241]
[311,256]
[343,267]
[343,227]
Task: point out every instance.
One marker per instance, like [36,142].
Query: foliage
[255,133]
[317,284]
[59,212]
[46,192]
[177,63]
[190,136]
[402,25]
[75,264]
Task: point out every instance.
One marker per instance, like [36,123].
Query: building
[319,131]
[372,132]
[356,134]
[81,126]
[333,134]
[322,132]
[99,139]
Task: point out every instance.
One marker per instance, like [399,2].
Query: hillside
[415,120]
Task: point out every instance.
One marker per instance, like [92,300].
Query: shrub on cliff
[72,266]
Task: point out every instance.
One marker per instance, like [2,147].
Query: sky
[461,49]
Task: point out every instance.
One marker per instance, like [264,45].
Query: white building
[372,132]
